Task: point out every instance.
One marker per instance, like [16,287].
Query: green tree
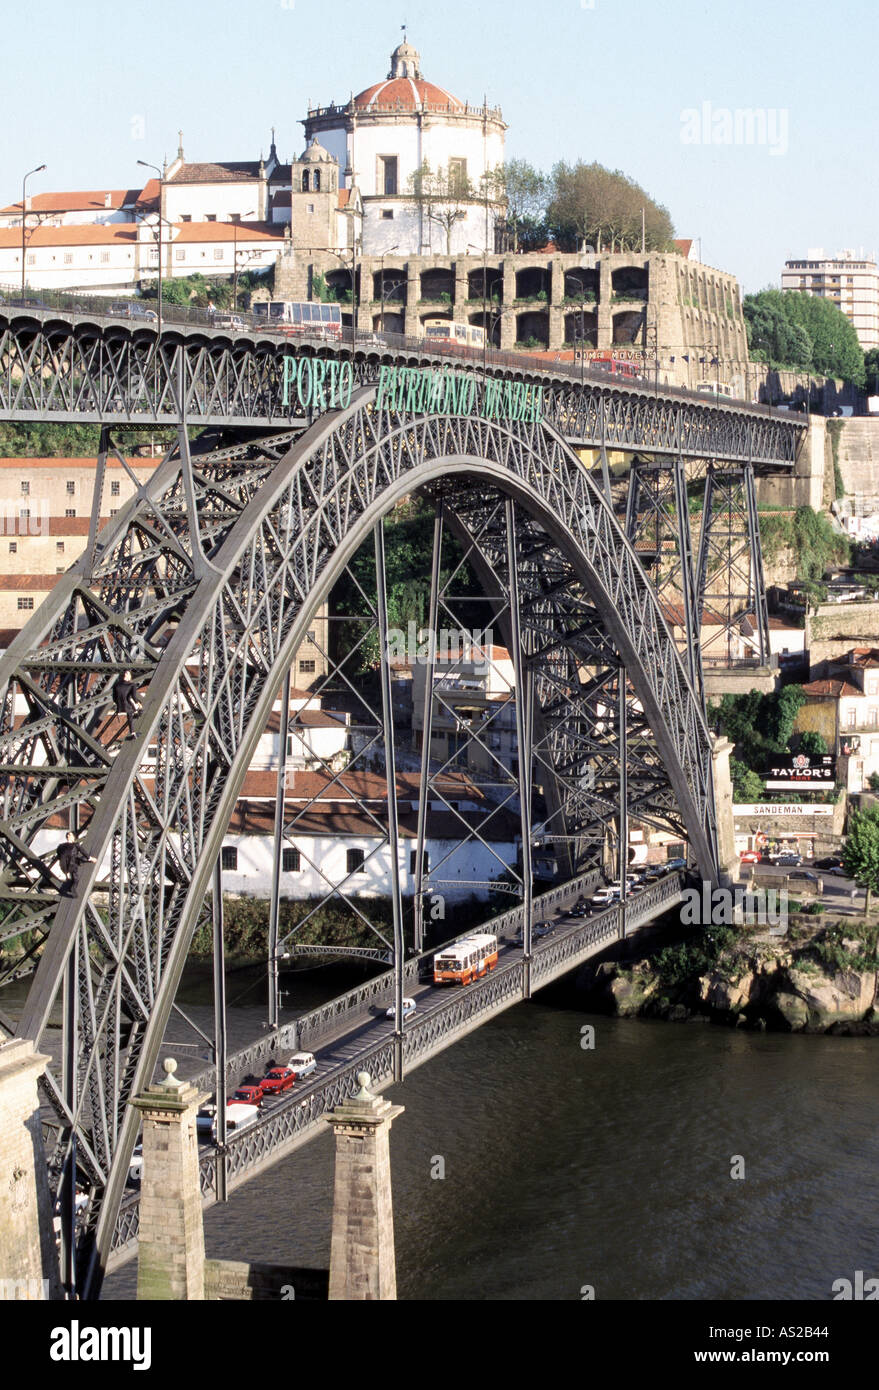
[526,192]
[860,857]
[871,371]
[812,744]
[787,328]
[747,786]
[603,207]
[442,196]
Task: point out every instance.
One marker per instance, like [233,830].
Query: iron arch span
[205,585]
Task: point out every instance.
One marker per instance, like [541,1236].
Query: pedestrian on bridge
[71,858]
[125,699]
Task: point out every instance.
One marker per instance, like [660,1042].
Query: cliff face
[817,980]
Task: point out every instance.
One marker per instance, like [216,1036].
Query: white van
[237,1117]
[303,1064]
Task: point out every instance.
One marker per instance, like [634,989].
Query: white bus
[714,388]
[457,334]
[295,320]
[465,961]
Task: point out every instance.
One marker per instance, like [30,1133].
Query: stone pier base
[28,1256]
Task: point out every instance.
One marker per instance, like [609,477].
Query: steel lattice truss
[205,586]
[53,366]
[730,564]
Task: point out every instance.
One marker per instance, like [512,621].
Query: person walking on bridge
[125,699]
[71,858]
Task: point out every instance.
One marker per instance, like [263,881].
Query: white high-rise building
[849,280]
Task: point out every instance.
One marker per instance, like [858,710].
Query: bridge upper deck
[79,365]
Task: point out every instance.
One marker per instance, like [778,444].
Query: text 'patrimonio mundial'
[326,383]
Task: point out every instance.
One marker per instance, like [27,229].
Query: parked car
[278,1080]
[803,876]
[247,1095]
[671,864]
[408,1009]
[831,863]
[303,1064]
[124,309]
[750,856]
[232,321]
[789,860]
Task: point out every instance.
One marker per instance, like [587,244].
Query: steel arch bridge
[205,585]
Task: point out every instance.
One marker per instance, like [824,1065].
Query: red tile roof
[832,688]
[232,171]
[126,233]
[27,464]
[89,200]
[406,94]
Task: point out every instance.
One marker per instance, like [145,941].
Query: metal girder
[66,367]
[213,622]
[730,578]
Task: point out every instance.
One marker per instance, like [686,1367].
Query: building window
[24,514]
[387,175]
[310,638]
[59,569]
[675,851]
[306,186]
[68,258]
[113,511]
[59,546]
[187,217]
[354,857]
[105,258]
[210,217]
[70,511]
[31,258]
[71,487]
[13,547]
[179,255]
[292,861]
[413,861]
[307,667]
[229,858]
[310,208]
[458,174]
[25,488]
[218,253]
[114,489]
[25,604]
[388,214]
[852,718]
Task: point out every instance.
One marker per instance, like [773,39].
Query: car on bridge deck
[231,321]
[302,1064]
[247,1095]
[408,1009]
[278,1080]
[749,856]
[125,310]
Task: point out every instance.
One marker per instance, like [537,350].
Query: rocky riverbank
[815,979]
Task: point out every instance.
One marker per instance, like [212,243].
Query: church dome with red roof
[404,88]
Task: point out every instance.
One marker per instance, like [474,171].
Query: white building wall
[467,864]
[220,200]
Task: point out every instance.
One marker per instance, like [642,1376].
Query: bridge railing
[424,1034]
[92,306]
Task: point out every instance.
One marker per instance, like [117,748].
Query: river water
[608,1167]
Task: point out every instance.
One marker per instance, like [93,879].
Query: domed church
[418,156]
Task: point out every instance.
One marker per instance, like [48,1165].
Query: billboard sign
[793,773]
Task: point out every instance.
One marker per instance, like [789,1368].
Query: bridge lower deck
[362,1038]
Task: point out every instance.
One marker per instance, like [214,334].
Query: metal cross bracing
[729,569]
[70,368]
[204,586]
[448,1016]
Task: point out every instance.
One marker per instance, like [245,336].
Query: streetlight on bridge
[39,169]
[235,226]
[158,171]
[381,261]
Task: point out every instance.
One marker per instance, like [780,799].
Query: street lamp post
[235,259]
[146,165]
[484,253]
[381,261]
[39,169]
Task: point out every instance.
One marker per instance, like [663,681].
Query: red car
[247,1095]
[750,856]
[278,1079]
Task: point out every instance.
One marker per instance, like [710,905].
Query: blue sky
[92,87]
